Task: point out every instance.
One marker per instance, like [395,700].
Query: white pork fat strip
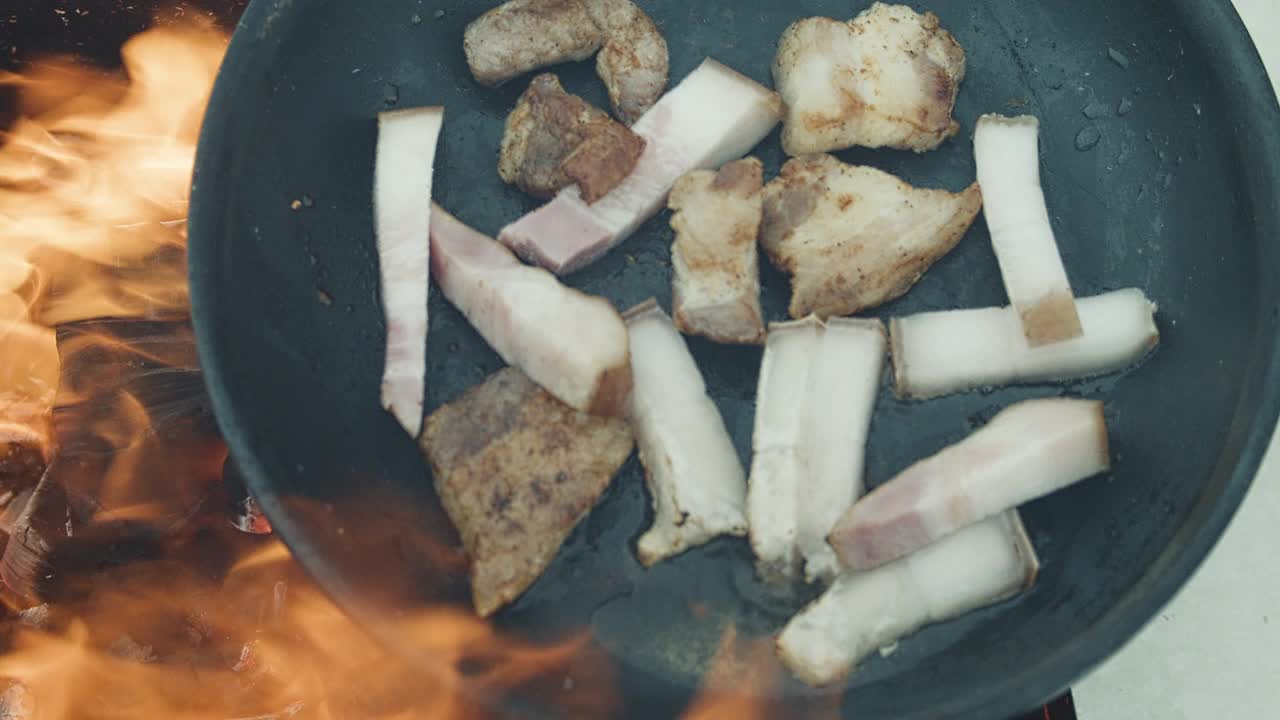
[406,152]
[695,477]
[517,309]
[981,565]
[1008,159]
[818,387]
[939,353]
[715,115]
[1027,451]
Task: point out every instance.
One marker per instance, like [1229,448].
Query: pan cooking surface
[1159,163]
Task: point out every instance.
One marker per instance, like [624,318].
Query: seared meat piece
[555,139]
[981,565]
[1007,151]
[1029,450]
[695,478]
[523,35]
[406,153]
[939,353]
[518,309]
[517,470]
[887,78]
[854,237]
[713,116]
[633,62]
[818,388]
[716,262]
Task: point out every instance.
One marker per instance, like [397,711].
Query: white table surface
[1214,653]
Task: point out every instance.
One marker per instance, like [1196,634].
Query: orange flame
[266,643]
[746,682]
[93,197]
[93,182]
[743,678]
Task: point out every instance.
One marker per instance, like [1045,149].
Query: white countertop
[1215,650]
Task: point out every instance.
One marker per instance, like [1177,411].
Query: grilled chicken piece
[854,237]
[517,470]
[887,78]
[633,62]
[523,35]
[981,565]
[516,309]
[716,263]
[406,152]
[818,388]
[695,478]
[1028,451]
[940,353]
[1007,151]
[555,139]
[714,116]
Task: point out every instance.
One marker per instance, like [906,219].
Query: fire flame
[158,640]
[93,179]
[93,198]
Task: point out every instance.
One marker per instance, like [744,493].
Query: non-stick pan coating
[1160,158]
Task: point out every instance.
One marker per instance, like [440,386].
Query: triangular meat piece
[517,470]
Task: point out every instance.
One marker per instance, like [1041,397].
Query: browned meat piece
[555,139]
[854,237]
[517,470]
[634,61]
[523,35]
[715,260]
[887,78]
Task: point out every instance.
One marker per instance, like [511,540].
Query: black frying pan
[1178,196]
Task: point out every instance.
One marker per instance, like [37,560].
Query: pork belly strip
[554,139]
[715,115]
[981,565]
[939,353]
[818,388]
[517,470]
[1027,451]
[517,309]
[693,472]
[715,287]
[1008,159]
[406,152]
[887,78]
[853,237]
[523,35]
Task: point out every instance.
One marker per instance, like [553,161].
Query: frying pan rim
[259,31]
